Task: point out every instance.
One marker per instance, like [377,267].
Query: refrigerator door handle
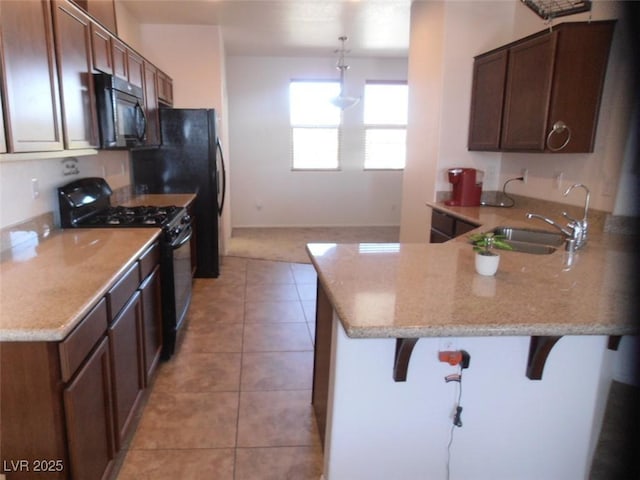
[224,178]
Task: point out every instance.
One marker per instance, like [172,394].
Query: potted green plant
[485,244]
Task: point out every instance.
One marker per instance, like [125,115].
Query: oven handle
[184,238]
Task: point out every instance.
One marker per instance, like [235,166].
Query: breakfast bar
[540,338]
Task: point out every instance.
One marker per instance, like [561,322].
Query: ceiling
[291,27]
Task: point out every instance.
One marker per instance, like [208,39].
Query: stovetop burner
[132,216]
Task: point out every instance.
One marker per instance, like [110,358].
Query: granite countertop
[46,288]
[427,290]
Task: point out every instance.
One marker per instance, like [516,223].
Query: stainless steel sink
[528,240]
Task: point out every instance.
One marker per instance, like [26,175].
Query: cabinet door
[89,419]
[463,227]
[165,88]
[151,104]
[527,93]
[582,53]
[487,99]
[104,11]
[30,82]
[135,68]
[120,62]
[73,49]
[126,344]
[101,48]
[152,322]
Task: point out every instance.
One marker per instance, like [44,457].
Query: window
[315,125]
[385,125]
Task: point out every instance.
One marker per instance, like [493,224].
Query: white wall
[425,111]
[512,427]
[265,191]
[16,200]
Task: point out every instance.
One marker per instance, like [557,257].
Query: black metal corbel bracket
[539,349]
[404,348]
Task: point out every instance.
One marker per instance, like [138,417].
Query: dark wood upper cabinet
[75,67]
[485,126]
[101,49]
[151,104]
[29,78]
[541,93]
[120,61]
[527,94]
[104,11]
[135,68]
[581,61]
[165,89]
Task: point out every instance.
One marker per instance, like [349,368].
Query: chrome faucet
[584,224]
[576,230]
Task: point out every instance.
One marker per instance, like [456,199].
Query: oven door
[182,279]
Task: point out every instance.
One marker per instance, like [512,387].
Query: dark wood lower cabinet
[88,407]
[126,345]
[67,407]
[322,360]
[444,227]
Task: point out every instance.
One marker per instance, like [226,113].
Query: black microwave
[121,119]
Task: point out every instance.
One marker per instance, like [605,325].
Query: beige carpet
[288,244]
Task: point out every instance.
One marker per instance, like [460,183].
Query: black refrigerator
[189,160]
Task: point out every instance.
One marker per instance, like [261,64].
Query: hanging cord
[511,201]
[457,421]
[504,191]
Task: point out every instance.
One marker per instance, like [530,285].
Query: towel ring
[559,127]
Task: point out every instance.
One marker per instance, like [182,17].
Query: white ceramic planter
[487,265]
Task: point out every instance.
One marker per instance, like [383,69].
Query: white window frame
[311,126]
[382,127]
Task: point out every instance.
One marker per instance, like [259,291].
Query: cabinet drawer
[121,292]
[75,348]
[443,223]
[149,260]
[437,237]
[463,227]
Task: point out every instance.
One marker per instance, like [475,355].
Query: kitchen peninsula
[538,335]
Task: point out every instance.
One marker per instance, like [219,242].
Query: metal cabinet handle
[558,127]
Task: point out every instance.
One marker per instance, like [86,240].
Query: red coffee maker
[467,187]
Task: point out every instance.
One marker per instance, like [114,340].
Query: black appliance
[121,119]
[86,203]
[189,160]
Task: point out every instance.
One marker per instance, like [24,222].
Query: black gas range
[86,203]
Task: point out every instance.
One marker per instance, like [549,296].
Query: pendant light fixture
[343,101]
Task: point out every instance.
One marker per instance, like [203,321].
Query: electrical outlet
[558,178]
[524,173]
[35,188]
